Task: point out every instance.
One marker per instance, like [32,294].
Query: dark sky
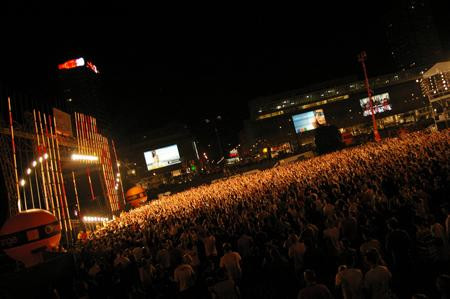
[164,64]
[160,64]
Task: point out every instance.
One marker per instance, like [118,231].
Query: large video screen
[308,121]
[380,104]
[162,157]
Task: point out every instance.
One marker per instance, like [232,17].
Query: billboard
[380,104]
[162,157]
[63,122]
[308,121]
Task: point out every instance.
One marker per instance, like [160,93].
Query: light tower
[362,58]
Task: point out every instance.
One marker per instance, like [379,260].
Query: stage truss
[36,161]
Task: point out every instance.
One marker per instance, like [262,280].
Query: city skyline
[191,68]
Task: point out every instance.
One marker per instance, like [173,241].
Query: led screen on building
[308,121]
[380,104]
[162,157]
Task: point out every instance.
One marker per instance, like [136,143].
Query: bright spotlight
[78,157]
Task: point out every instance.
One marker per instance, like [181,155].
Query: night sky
[160,64]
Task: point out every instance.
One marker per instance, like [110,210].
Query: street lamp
[34,164]
[31,186]
[22,184]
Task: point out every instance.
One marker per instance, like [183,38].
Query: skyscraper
[80,90]
[412,34]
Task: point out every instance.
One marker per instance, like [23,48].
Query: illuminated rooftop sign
[70,64]
[74,63]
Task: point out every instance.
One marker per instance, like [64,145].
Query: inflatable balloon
[136,196]
[24,236]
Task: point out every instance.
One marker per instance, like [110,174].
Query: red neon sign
[92,67]
[70,64]
[74,63]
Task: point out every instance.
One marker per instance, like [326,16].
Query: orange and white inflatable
[136,196]
[24,236]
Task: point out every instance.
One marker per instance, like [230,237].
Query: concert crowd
[371,221]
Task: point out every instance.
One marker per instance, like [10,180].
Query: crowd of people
[366,222]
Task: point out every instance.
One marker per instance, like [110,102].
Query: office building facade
[291,118]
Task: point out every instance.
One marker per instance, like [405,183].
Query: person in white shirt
[184,275]
[296,252]
[231,261]
[209,242]
[224,288]
[377,280]
[350,281]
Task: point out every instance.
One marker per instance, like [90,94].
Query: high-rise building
[80,89]
[412,34]
[435,85]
